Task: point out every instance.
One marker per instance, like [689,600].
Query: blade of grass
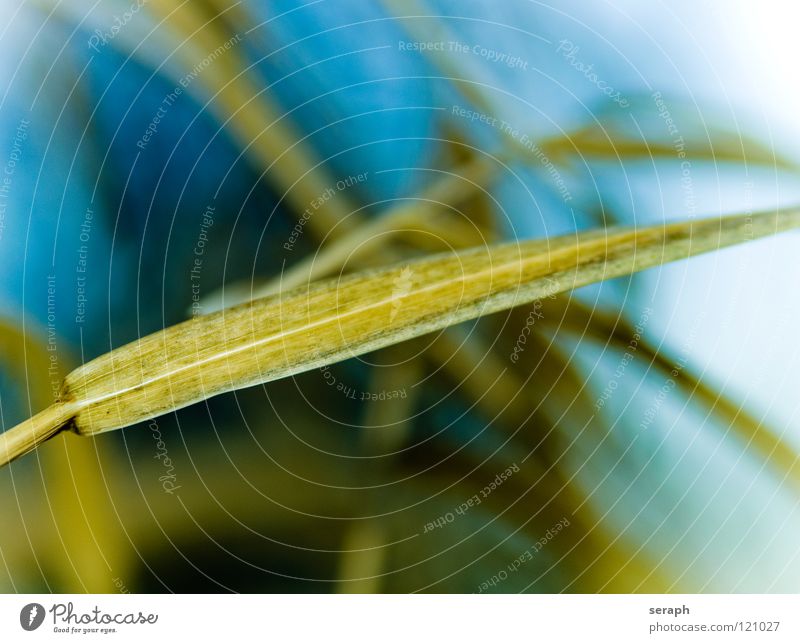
[422,215]
[387,428]
[331,321]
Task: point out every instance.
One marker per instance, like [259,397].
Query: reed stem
[25,437]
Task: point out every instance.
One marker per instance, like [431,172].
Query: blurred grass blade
[334,320]
[755,433]
[428,213]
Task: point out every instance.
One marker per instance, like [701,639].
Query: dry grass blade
[424,214]
[286,334]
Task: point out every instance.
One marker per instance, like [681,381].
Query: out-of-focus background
[160,158]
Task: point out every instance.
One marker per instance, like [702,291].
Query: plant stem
[31,433]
